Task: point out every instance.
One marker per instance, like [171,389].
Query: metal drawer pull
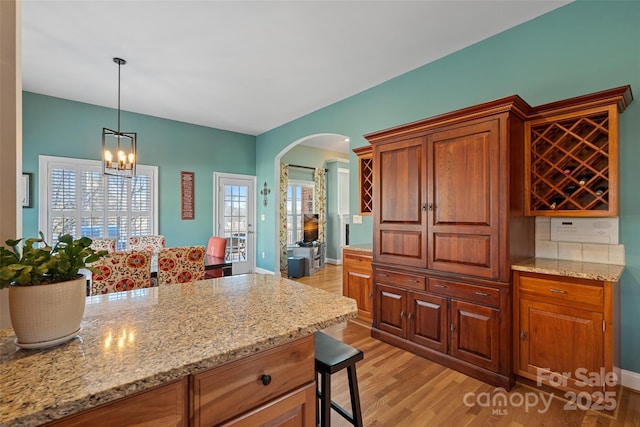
[409,316]
[557,291]
[482,294]
[439,286]
[402,314]
[523,336]
[412,281]
[266,379]
[383,275]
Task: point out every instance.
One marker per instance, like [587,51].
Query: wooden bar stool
[332,356]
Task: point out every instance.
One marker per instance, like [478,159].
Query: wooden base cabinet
[357,280]
[274,387]
[452,325]
[448,210]
[165,405]
[566,332]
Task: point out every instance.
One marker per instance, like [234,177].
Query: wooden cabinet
[572,155]
[357,280]
[475,334]
[448,223]
[295,409]
[454,323]
[400,205]
[274,387]
[442,198]
[162,406]
[271,386]
[566,329]
[365,178]
[464,183]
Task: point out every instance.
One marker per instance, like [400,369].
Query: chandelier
[118,148]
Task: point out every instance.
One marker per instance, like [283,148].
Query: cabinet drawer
[568,291]
[357,262]
[229,390]
[400,279]
[481,294]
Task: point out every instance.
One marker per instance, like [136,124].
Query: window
[76,198]
[299,202]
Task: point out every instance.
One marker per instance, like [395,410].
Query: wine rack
[365,178]
[571,155]
[573,161]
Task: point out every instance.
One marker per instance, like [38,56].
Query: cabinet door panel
[398,243]
[163,406]
[296,409]
[399,203]
[401,168]
[464,195]
[560,339]
[475,334]
[462,249]
[390,309]
[359,288]
[428,322]
[462,190]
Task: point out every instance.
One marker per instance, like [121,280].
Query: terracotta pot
[47,315]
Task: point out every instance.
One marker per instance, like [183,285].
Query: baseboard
[630,380]
[333,261]
[263,271]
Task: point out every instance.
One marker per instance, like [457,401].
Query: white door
[235,219]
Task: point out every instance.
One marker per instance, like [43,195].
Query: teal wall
[583,47]
[58,127]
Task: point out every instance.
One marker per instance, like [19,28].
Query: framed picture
[187,205]
[26,190]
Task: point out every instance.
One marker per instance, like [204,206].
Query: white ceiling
[244,66]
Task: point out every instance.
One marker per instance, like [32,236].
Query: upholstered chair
[217,247]
[121,271]
[148,243]
[103,244]
[181,265]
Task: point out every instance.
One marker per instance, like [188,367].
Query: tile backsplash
[586,252]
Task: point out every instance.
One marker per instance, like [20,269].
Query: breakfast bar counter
[137,340]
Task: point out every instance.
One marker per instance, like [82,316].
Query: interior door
[235,219]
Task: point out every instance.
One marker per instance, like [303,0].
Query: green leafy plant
[38,263]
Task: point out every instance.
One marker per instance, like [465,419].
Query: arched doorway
[326,141]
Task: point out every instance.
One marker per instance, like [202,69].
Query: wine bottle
[584,178]
[570,189]
[568,169]
[600,190]
[555,201]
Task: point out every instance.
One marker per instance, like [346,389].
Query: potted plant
[46,291]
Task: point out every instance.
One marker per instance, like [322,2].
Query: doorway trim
[276,181]
[217,177]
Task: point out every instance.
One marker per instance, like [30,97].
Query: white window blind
[76,198]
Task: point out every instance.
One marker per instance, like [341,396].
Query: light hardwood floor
[400,389]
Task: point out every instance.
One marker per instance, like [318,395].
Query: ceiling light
[123,144]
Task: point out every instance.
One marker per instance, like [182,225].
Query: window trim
[43,193]
[302,183]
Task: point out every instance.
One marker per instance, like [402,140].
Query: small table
[215,263]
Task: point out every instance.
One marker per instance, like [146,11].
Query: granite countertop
[134,340]
[366,247]
[578,269]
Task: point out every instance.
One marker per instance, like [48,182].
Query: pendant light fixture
[119,148]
